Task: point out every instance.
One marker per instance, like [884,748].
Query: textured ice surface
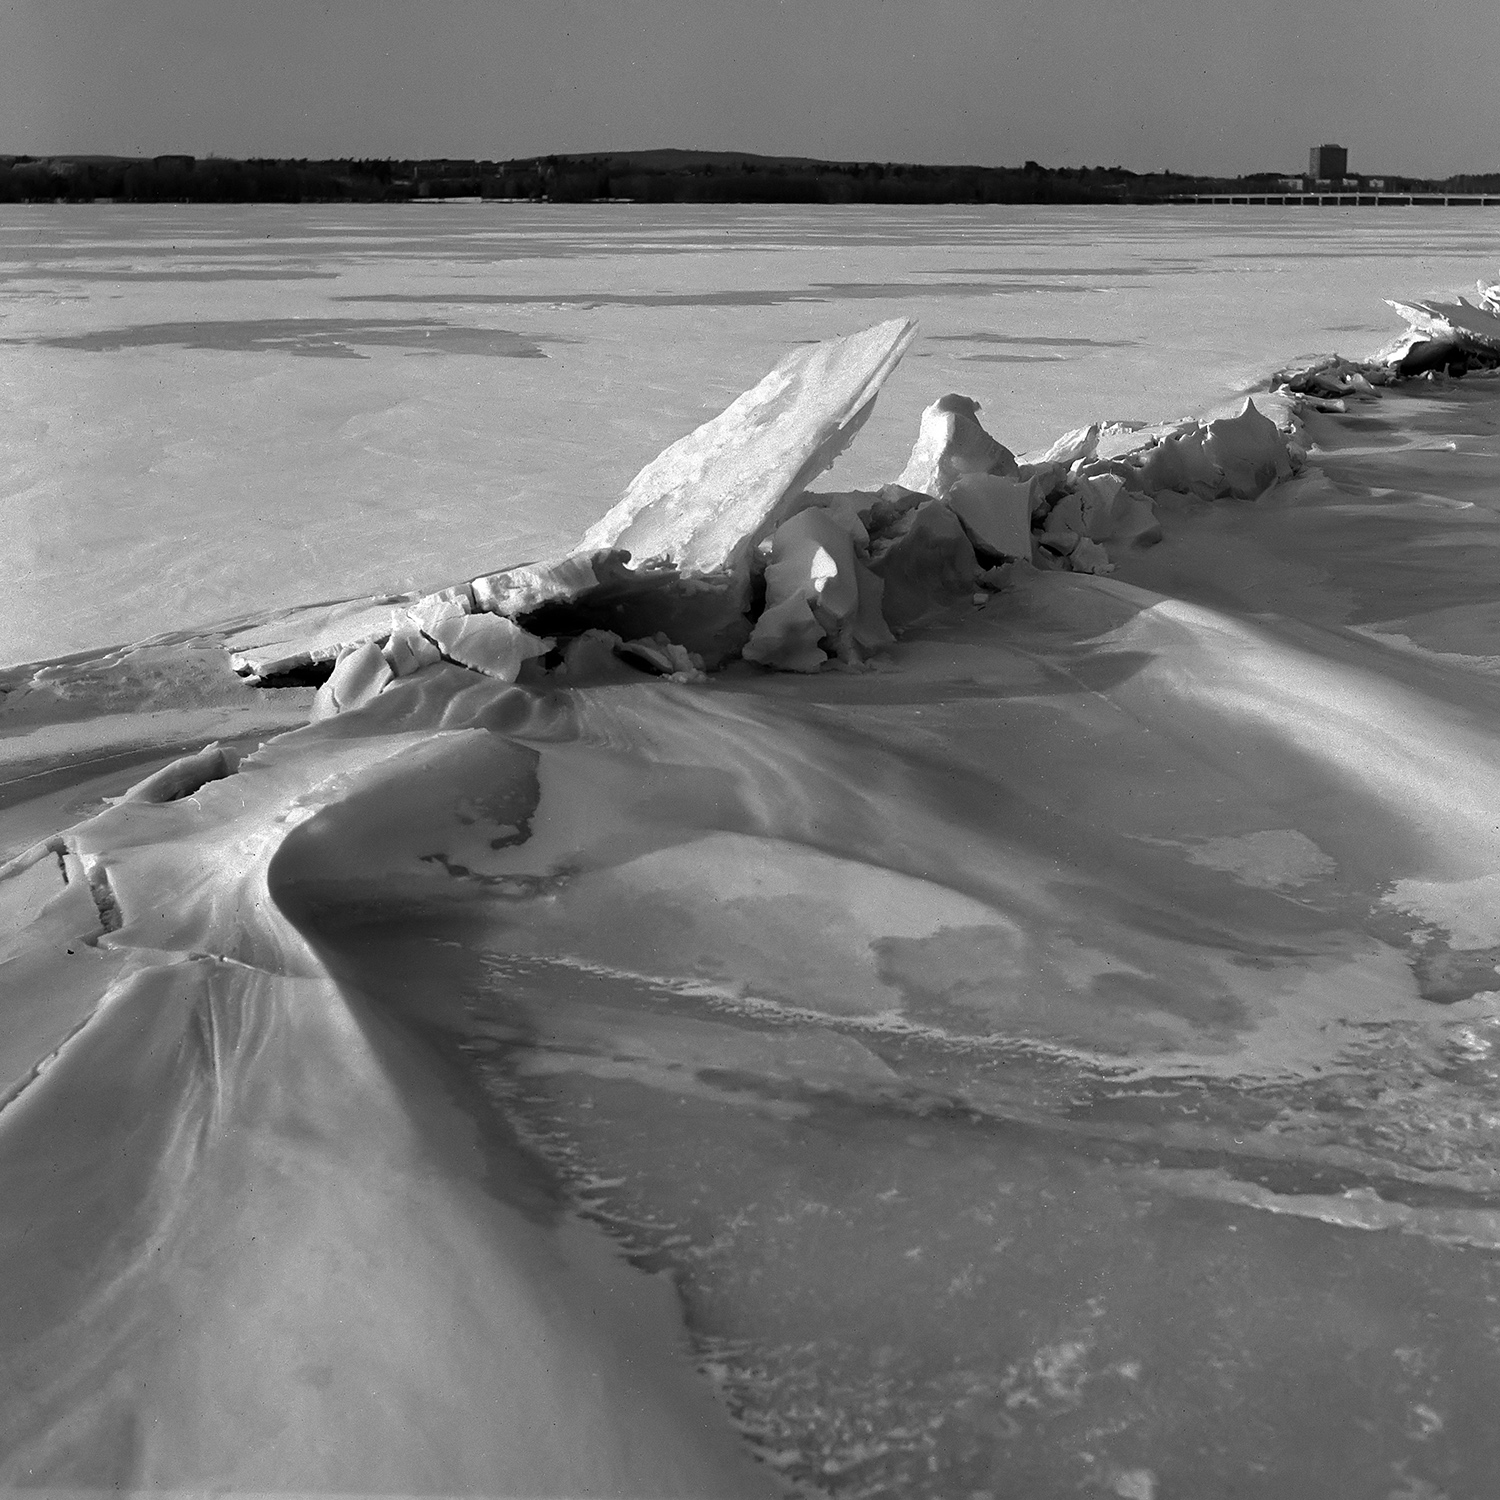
[1060,1059]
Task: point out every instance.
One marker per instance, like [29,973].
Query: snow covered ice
[1026,1012]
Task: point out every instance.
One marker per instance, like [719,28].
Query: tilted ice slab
[1440,339]
[1458,321]
[1446,337]
[316,633]
[709,498]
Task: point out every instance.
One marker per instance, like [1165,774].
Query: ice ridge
[719,550]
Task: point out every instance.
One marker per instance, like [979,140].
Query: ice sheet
[1039,1060]
[178,452]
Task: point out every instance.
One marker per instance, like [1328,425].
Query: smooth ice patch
[1467,910]
[1273,858]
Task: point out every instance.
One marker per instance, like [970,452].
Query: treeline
[758,180]
[641,177]
[646,178]
[1486,182]
[180,179]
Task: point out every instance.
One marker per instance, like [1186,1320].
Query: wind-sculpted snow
[1016,946]
[272,1245]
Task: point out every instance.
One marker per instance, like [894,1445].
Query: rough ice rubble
[1441,339]
[1452,338]
[718,549]
[819,588]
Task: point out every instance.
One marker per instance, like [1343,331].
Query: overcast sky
[1194,85]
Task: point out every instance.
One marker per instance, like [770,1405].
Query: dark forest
[639,177]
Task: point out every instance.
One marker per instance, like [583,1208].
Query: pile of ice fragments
[1447,338]
[1442,340]
[720,551]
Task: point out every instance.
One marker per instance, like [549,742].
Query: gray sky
[1195,85]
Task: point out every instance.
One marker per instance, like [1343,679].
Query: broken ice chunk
[408,650]
[950,442]
[707,615]
[1101,508]
[996,513]
[814,555]
[925,567]
[788,636]
[852,510]
[1059,541]
[1421,356]
[814,584]
[302,637]
[1249,450]
[1081,443]
[1089,557]
[707,500]
[1332,375]
[185,775]
[664,656]
[1066,515]
[885,516]
[1117,439]
[591,659]
[1282,407]
[1097,494]
[870,630]
[360,674]
[487,643]
[1182,464]
[1133,521]
[518,591]
[447,604]
[1475,329]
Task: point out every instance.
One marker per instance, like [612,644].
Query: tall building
[1328,161]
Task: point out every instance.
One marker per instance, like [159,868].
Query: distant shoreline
[671,177]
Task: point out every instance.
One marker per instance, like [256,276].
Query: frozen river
[1060,1059]
[213,410]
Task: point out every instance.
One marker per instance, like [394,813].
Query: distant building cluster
[1325,163]
[1328,167]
